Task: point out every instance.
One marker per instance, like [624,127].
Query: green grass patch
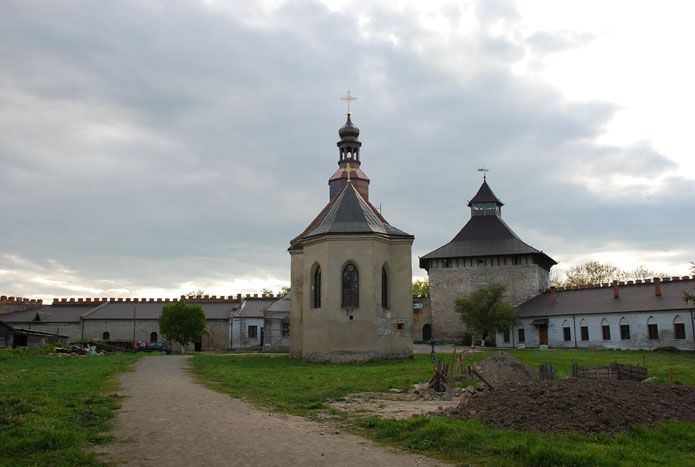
[52,408]
[301,388]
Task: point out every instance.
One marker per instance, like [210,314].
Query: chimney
[238,297]
[616,291]
[553,295]
[657,286]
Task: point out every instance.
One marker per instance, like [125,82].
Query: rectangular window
[505,335]
[285,329]
[625,332]
[679,330]
[585,333]
[606,330]
[522,335]
[653,331]
[253,332]
[567,334]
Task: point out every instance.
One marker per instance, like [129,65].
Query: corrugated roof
[47,314]
[485,195]
[485,236]
[349,213]
[152,310]
[635,297]
[253,308]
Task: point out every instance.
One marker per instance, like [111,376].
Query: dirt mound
[580,405]
[500,369]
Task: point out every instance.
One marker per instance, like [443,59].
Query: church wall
[329,333]
[522,281]
[297,303]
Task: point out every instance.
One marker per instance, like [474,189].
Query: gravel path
[169,419]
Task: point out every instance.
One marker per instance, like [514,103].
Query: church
[351,273]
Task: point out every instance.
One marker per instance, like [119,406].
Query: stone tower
[350,273]
[486,251]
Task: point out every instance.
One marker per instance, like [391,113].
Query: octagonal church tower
[350,273]
[486,251]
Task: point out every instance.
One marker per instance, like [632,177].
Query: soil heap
[500,369]
[579,405]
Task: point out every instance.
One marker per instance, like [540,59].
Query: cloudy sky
[150,148]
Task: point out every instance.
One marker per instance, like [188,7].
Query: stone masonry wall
[522,281]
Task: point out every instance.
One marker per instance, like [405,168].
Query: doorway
[543,334]
[262,336]
[20,340]
[427,332]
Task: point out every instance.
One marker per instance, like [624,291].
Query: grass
[52,408]
[301,388]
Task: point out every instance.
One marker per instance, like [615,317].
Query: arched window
[316,288]
[351,286]
[105,336]
[624,329]
[566,331]
[652,328]
[584,330]
[153,336]
[384,288]
[678,328]
[605,329]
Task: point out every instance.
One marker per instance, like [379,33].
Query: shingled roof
[632,297]
[348,213]
[485,236]
[485,195]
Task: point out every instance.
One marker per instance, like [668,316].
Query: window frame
[350,293]
[249,329]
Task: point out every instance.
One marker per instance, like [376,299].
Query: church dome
[348,130]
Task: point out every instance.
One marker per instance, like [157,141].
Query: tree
[591,272]
[421,288]
[266,292]
[196,293]
[486,311]
[284,290]
[640,273]
[690,297]
[182,322]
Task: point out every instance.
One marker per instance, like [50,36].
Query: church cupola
[485,203]
[349,162]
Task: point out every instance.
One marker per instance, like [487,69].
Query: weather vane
[348,98]
[483,170]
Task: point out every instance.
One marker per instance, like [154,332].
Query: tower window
[351,287]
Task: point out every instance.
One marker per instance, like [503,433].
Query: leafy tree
[421,288]
[266,292]
[591,272]
[486,311]
[196,293]
[690,297]
[182,322]
[284,290]
[640,273]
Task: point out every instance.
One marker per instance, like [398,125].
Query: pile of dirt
[579,405]
[500,369]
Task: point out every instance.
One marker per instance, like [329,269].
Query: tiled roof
[485,236]
[349,213]
[46,314]
[485,195]
[633,297]
[152,310]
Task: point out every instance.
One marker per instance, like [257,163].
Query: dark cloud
[147,145]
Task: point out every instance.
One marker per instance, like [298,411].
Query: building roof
[47,314]
[486,236]
[32,332]
[279,308]
[253,308]
[348,213]
[485,195]
[599,299]
[152,310]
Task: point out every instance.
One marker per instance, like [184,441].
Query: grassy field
[276,382]
[52,408]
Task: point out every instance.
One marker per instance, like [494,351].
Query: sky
[153,148]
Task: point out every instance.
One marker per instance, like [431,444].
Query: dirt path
[169,419]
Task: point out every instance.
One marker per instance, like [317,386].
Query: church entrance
[543,334]
[427,332]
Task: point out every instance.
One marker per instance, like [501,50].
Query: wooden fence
[612,371]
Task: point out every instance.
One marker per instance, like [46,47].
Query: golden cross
[349,169]
[348,98]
